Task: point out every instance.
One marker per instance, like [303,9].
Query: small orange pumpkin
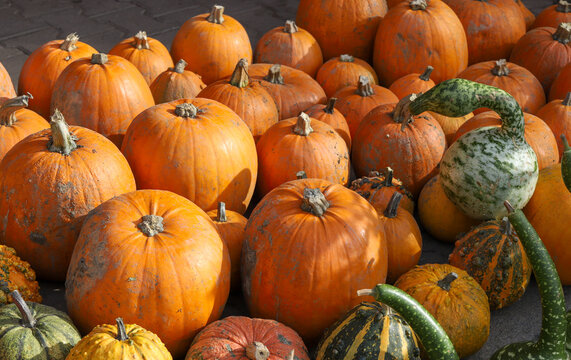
[340,72]
[554,15]
[333,117]
[562,84]
[413,83]
[6,86]
[176,83]
[557,115]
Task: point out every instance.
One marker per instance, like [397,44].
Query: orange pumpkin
[292,90]
[450,124]
[301,143]
[249,99]
[413,83]
[6,86]
[147,256]
[54,178]
[354,102]
[438,215]
[537,134]
[554,15]
[544,51]
[492,27]
[418,33]
[148,55]
[345,70]
[557,115]
[411,146]
[17,122]
[333,117]
[16,274]
[175,146]
[342,27]
[455,300]
[176,83]
[212,44]
[292,46]
[102,93]
[43,67]
[516,80]
[528,16]
[295,252]
[561,86]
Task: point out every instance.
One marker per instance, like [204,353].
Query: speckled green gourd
[488,165]
[569,333]
[552,339]
[433,337]
[566,163]
[31,331]
[370,330]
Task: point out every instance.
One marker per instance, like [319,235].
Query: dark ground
[27,24]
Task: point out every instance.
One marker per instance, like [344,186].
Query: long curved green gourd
[566,163]
[552,338]
[433,337]
[488,165]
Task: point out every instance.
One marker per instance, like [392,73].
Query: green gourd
[488,165]
[566,163]
[569,333]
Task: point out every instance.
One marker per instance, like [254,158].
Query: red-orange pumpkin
[211,44]
[148,55]
[333,117]
[528,16]
[345,70]
[557,115]
[176,83]
[561,86]
[6,86]
[554,15]
[292,46]
[413,83]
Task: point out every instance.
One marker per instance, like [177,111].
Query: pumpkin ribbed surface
[16,274]
[371,330]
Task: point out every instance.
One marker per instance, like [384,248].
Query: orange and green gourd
[566,163]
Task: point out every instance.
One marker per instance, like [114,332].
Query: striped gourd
[552,338]
[566,163]
[569,333]
[488,165]
[370,330]
[32,331]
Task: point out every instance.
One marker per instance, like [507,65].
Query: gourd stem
[426,74]
[314,202]
[458,97]
[505,226]
[186,110]
[257,351]
[418,4]
[9,108]
[388,177]
[563,7]
[567,100]
[392,206]
[99,59]
[433,337]
[290,27]
[446,282]
[221,213]
[501,68]
[402,114]
[300,175]
[141,41]
[563,33]
[216,15]
[121,331]
[70,42]
[62,141]
[28,319]
[303,125]
[364,87]
[275,75]
[330,106]
[346,58]
[240,76]
[151,225]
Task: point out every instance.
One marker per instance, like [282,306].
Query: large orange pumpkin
[295,252]
[155,259]
[6,86]
[211,44]
[561,86]
[52,179]
[537,134]
[197,148]
[148,55]
[418,33]
[413,83]
[345,70]
[103,93]
[333,117]
[42,68]
[557,115]
[176,83]
[249,99]
[554,15]
[340,26]
[292,46]
[528,16]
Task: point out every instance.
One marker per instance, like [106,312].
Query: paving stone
[14,24]
[159,8]
[100,8]
[13,65]
[104,41]
[41,8]
[166,37]
[133,19]
[8,52]
[179,16]
[73,20]
[31,41]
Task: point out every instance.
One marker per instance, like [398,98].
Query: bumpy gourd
[566,163]
[488,165]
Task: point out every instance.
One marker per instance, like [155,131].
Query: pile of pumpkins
[128,175]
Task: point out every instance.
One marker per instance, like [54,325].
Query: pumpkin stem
[563,6]
[303,125]
[446,282]
[69,44]
[240,76]
[290,27]
[418,4]
[314,202]
[121,331]
[388,176]
[275,75]
[141,41]
[563,33]
[216,15]
[28,319]
[373,173]
[186,110]
[426,74]
[402,114]
[346,58]
[9,108]
[221,214]
[180,66]
[301,175]
[392,206]
[501,68]
[567,100]
[257,351]
[505,226]
[62,141]
[151,225]
[364,87]
[330,106]
[99,59]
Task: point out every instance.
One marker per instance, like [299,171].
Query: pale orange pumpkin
[333,117]
[176,83]
[554,15]
[345,70]
[6,86]
[413,83]
[557,115]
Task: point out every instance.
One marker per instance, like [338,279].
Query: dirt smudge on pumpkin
[37,237]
